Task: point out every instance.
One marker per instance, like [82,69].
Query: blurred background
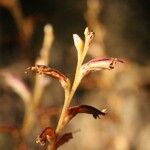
[121,30]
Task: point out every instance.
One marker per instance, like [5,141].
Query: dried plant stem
[29,120]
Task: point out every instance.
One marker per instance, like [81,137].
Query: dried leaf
[64,139]
[48,134]
[48,71]
[73,111]
[99,64]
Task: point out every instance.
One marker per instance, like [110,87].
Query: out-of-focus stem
[44,60]
[30,108]
[29,120]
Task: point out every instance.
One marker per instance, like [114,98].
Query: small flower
[47,135]
[48,71]
[99,64]
[73,111]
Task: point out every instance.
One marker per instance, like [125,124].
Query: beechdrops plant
[54,137]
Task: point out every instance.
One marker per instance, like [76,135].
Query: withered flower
[99,64]
[73,111]
[47,135]
[51,72]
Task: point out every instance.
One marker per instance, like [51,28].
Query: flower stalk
[81,50]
